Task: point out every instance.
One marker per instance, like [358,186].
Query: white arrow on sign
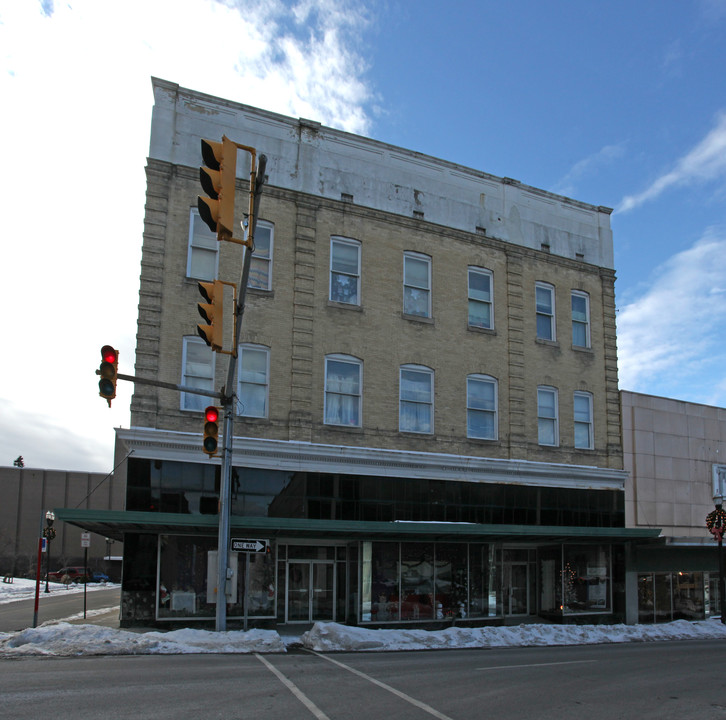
[243,545]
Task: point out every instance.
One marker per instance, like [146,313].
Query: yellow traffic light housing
[108,371]
[219,313]
[211,430]
[218,182]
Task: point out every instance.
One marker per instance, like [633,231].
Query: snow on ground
[22,589]
[64,639]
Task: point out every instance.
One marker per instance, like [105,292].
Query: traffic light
[218,312]
[218,179]
[211,430]
[108,372]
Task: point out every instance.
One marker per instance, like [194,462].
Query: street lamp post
[48,534]
[716,524]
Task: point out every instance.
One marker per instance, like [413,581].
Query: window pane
[416,272]
[263,235]
[579,308]
[481,394]
[546,403]
[480,314]
[254,366]
[582,435]
[481,424]
[479,286]
[198,373]
[415,386]
[345,258]
[259,276]
[416,302]
[253,399]
[582,408]
[544,327]
[544,300]
[343,377]
[253,382]
[579,334]
[344,288]
[202,236]
[415,417]
[546,432]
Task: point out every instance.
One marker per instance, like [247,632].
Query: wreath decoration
[716,523]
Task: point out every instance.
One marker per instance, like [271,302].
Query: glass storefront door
[310,590]
[516,588]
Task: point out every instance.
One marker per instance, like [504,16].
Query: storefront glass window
[188,579]
[585,578]
[482,581]
[417,581]
[452,585]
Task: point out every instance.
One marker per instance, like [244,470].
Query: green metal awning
[114,523]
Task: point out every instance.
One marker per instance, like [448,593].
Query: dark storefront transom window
[167,486]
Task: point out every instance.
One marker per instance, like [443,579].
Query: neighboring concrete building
[27,494]
[428,420]
[673,450]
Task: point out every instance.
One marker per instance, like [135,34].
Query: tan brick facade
[300,325]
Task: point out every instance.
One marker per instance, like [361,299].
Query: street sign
[247,545]
[86,539]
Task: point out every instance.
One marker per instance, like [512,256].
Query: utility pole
[224,572]
[217,211]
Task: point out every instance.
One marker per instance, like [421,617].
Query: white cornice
[311,457]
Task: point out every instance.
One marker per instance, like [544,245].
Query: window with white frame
[416,284]
[203,246]
[345,271]
[580,319]
[547,416]
[343,383]
[197,372]
[481,407]
[481,307]
[416,399]
[254,373]
[583,421]
[260,276]
[545,301]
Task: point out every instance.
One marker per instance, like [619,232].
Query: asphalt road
[57,605]
[643,681]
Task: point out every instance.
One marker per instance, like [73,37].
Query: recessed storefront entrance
[310,590]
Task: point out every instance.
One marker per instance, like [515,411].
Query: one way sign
[247,545]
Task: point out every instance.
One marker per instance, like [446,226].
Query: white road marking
[290,685]
[509,667]
[397,693]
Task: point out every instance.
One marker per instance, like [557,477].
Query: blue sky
[621,104]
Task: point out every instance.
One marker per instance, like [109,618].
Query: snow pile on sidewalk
[64,639]
[329,637]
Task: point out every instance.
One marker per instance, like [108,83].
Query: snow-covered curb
[64,639]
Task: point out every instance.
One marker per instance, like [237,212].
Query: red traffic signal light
[211,430]
[218,180]
[108,371]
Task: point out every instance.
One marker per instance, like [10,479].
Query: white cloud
[707,161]
[75,83]
[674,331]
[568,184]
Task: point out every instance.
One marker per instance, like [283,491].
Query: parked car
[73,574]
[99,576]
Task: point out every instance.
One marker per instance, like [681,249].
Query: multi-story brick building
[428,419]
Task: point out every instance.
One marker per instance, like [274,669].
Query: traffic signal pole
[257,180]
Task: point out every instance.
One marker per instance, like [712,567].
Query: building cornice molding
[294,456]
